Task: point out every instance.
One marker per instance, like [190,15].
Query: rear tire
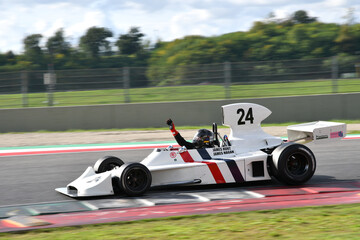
[293,163]
[135,179]
[107,163]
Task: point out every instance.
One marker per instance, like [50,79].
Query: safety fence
[228,80]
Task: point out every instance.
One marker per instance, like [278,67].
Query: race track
[33,178]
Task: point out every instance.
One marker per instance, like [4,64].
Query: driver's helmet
[203,138]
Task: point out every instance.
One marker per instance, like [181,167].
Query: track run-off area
[30,175]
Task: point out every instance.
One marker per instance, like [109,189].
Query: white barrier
[284,109]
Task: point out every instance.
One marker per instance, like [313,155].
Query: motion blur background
[278,55]
[228,80]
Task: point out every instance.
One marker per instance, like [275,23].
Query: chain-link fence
[179,83]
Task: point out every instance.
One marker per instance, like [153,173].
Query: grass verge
[181,93]
[324,222]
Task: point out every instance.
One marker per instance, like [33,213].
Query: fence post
[50,81]
[24,88]
[227,79]
[126,82]
[334,74]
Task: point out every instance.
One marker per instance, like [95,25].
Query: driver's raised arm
[179,139]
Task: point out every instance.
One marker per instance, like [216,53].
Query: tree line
[297,37]
[94,51]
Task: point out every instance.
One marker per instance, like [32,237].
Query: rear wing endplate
[316,131]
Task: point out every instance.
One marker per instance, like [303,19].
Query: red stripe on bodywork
[215,171]
[186,157]
[213,167]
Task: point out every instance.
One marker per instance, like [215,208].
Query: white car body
[246,159]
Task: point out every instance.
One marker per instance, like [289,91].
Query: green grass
[182,93]
[325,222]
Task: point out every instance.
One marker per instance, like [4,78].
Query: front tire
[107,163]
[293,163]
[135,179]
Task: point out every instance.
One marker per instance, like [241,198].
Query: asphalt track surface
[32,179]
[28,199]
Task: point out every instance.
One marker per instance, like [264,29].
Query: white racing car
[249,154]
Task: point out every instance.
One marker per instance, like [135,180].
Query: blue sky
[158,19]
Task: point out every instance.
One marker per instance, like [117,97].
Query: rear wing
[316,131]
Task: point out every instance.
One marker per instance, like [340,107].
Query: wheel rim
[136,179]
[297,164]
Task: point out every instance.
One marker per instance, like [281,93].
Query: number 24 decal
[245,116]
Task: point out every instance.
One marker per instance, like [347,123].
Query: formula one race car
[248,154]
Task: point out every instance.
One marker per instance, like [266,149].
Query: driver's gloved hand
[169,122]
[172,127]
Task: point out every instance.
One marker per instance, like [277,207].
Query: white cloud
[335,3]
[258,3]
[85,21]
[133,5]
[195,22]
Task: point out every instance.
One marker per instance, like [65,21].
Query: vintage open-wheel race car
[247,154]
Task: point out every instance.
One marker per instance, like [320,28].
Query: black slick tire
[107,163]
[135,179]
[293,163]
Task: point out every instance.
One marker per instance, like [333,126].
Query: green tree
[130,43]
[95,41]
[10,58]
[33,52]
[58,49]
[57,44]
[348,39]
[2,59]
[301,16]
